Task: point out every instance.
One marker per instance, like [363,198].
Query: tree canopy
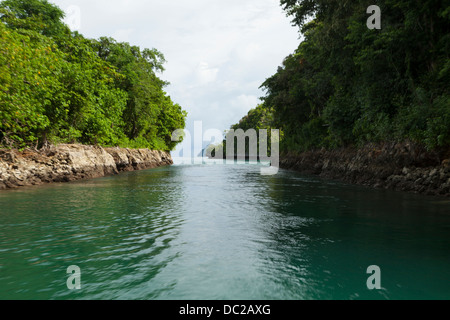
[349,85]
[57,86]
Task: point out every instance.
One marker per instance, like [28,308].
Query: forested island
[364,105]
[360,104]
[56,86]
[73,108]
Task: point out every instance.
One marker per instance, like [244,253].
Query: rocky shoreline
[65,163]
[404,167]
[401,166]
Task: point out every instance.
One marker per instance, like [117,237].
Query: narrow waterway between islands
[224,232]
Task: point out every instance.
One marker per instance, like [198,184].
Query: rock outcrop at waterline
[64,163]
[401,166]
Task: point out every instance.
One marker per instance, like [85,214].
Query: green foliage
[47,17]
[426,121]
[347,84]
[150,116]
[59,87]
[258,118]
[27,62]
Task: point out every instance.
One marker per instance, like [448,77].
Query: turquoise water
[221,232]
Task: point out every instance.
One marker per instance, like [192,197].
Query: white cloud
[123,35]
[205,74]
[218,52]
[245,102]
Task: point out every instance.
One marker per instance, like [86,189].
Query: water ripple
[218,232]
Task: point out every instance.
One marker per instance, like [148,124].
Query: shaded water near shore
[221,232]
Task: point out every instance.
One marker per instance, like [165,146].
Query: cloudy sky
[218,52]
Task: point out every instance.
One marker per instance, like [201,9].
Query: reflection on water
[217,231]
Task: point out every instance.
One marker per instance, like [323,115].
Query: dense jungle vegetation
[57,86]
